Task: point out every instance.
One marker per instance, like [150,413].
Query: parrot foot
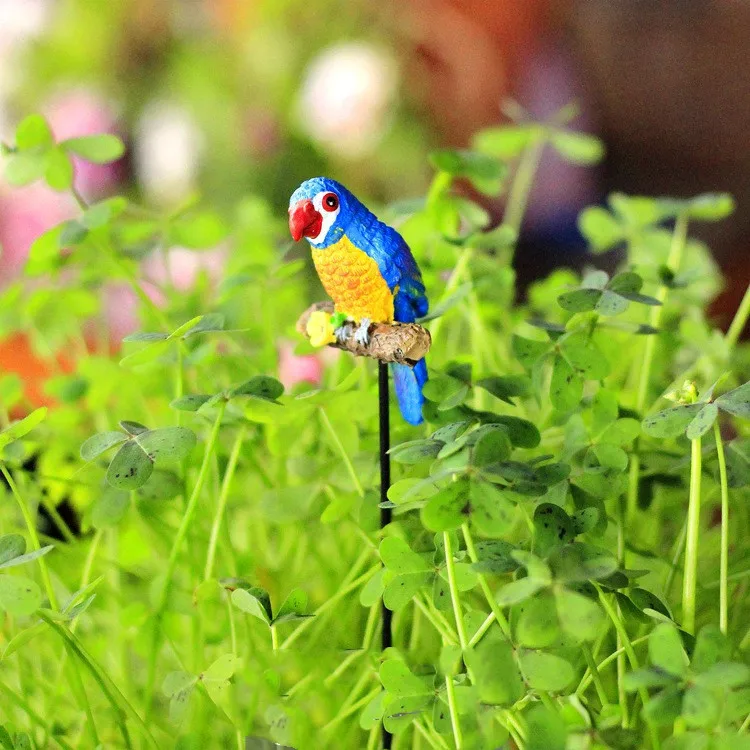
[341,333]
[362,334]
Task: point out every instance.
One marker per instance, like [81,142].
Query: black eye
[330,202]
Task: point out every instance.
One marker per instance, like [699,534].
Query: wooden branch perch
[404,343]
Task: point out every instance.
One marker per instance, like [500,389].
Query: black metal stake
[385,513]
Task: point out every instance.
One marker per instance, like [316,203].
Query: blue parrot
[366,267]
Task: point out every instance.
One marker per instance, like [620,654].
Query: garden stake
[385,512]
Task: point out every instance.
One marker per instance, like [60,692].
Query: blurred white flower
[21,20]
[167,152]
[346,98]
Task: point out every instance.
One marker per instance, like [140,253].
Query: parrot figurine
[367,269]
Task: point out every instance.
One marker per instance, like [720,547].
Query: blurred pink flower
[181,267]
[26,213]
[295,369]
[78,112]
[119,310]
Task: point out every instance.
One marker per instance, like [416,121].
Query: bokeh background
[217,99]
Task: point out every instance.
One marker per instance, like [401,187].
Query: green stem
[488,595]
[182,531]
[724,560]
[274,638]
[520,189]
[595,676]
[344,455]
[453,710]
[587,678]
[444,632]
[31,529]
[425,734]
[677,250]
[340,594]
[116,699]
[739,321]
[453,280]
[453,587]
[221,505]
[34,717]
[691,539]
[632,658]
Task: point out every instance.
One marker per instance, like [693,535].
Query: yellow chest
[354,283]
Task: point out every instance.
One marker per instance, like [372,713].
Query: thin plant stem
[274,638]
[373,739]
[427,736]
[453,710]
[678,551]
[632,658]
[674,260]
[453,587]
[435,622]
[691,540]
[486,590]
[221,504]
[596,677]
[351,704]
[182,531]
[520,189]
[340,594]
[73,675]
[724,557]
[34,717]
[344,455]
[739,321]
[116,699]
[31,529]
[587,677]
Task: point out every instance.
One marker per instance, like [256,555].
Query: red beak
[304,220]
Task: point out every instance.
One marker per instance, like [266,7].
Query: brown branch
[404,343]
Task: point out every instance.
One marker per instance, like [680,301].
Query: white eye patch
[328,217]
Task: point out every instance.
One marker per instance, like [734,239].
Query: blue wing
[395,262]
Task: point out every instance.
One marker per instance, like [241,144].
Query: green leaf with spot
[19,596]
[293,607]
[11,547]
[566,387]
[260,386]
[448,509]
[702,422]
[506,387]
[100,443]
[671,422]
[492,513]
[736,402]
[528,351]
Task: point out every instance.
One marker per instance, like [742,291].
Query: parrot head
[320,210]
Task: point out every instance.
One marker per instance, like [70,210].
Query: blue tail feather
[408,382]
